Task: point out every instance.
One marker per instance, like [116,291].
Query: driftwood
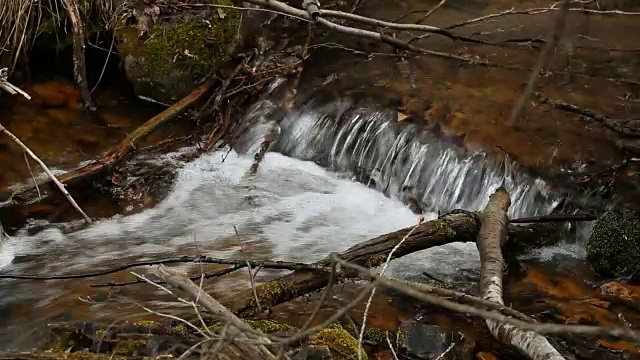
[125,147]
[453,227]
[247,343]
[492,234]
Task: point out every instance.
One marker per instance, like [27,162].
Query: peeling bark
[491,237]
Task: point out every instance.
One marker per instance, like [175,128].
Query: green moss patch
[613,249]
[193,43]
[343,346]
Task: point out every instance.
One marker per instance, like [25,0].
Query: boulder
[165,53]
[613,249]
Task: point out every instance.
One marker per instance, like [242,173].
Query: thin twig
[545,55]
[33,177]
[47,171]
[373,291]
[438,6]
[545,329]
[281,265]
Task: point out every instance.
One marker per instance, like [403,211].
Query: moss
[271,291]
[343,346]
[375,335]
[191,44]
[179,330]
[129,347]
[268,326]
[613,249]
[376,260]
[148,324]
[100,334]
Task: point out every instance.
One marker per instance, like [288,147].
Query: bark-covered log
[454,227]
[492,234]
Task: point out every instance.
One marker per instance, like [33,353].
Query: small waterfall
[368,142]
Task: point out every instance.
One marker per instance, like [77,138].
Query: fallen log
[115,155]
[492,234]
[453,227]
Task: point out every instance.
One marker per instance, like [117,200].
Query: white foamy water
[294,209]
[300,211]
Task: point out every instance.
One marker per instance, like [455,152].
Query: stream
[304,202]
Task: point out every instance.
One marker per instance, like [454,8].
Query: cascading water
[292,209]
[370,143]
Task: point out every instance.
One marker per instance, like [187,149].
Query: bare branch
[546,329]
[47,171]
[545,55]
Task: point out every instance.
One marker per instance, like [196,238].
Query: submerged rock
[166,55]
[423,341]
[613,249]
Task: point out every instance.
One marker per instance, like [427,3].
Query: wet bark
[492,234]
[454,227]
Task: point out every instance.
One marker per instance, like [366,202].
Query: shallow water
[293,209]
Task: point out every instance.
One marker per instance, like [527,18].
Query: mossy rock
[268,326]
[613,249]
[179,51]
[341,343]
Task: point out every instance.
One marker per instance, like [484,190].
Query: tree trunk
[491,237]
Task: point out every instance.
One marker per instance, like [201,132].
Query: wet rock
[423,341]
[55,94]
[165,59]
[613,249]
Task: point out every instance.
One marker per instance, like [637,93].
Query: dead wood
[44,167]
[492,234]
[621,127]
[248,343]
[453,227]
[270,137]
[79,63]
[115,155]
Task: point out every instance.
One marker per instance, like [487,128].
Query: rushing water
[302,204]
